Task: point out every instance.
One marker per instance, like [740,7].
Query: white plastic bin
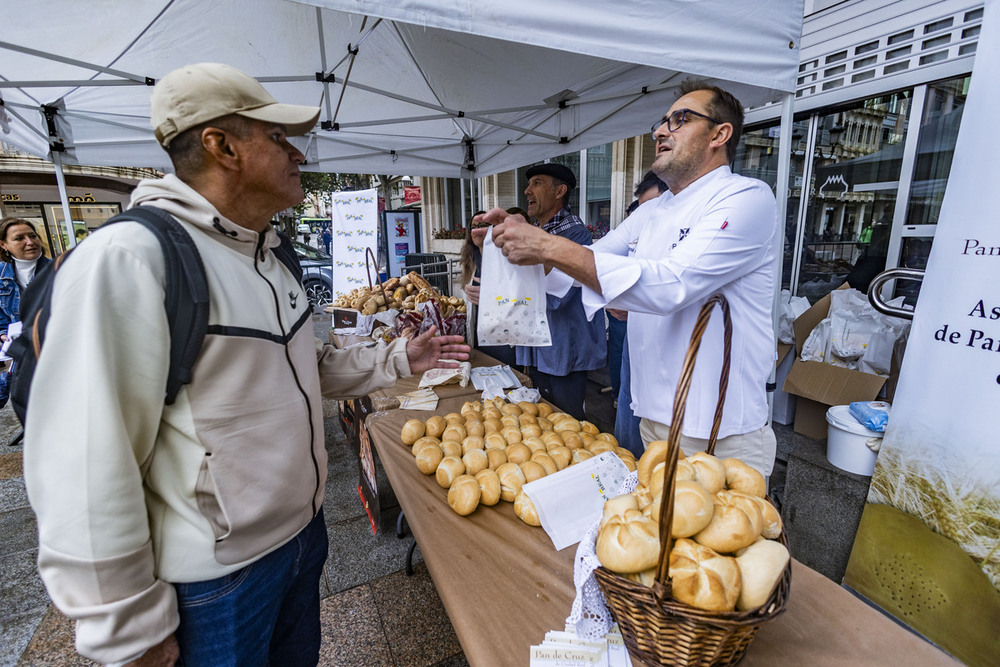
[847,442]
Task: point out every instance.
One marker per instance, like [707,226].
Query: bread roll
[525,509]
[741,477]
[518,453]
[491,413]
[708,471]
[736,523]
[476,428]
[497,457]
[495,441]
[544,409]
[581,455]
[588,427]
[571,439]
[511,435]
[528,408]
[489,486]
[770,516]
[454,418]
[654,454]
[528,420]
[587,439]
[557,417]
[450,468]
[532,470]
[624,453]
[567,425]
[422,442]
[617,506]
[642,496]
[491,425]
[451,448]
[464,494]
[473,442]
[703,578]
[544,460]
[684,471]
[455,433]
[562,456]
[693,509]
[534,444]
[412,431]
[599,446]
[510,421]
[511,409]
[552,440]
[544,424]
[610,438]
[628,542]
[762,565]
[428,459]
[531,431]
[472,406]
[511,481]
[475,460]
[629,463]
[646,577]
[435,426]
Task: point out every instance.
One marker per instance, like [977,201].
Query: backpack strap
[285,252]
[185,292]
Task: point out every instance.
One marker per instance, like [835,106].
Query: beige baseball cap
[196,94]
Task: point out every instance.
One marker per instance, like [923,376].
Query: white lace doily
[590,614]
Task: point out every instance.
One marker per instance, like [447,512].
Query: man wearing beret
[578,345]
[195,529]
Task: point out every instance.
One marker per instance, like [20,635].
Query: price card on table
[572,500]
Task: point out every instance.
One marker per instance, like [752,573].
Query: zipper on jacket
[258,257]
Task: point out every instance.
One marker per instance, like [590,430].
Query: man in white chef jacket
[713,231]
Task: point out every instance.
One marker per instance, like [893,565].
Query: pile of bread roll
[725,554]
[489,450]
[403,293]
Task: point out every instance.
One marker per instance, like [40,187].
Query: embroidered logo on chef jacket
[293,299]
[681,235]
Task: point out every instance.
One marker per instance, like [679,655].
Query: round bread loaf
[428,459]
[511,409]
[684,471]
[629,463]
[581,455]
[511,481]
[628,542]
[736,523]
[587,439]
[610,438]
[571,439]
[708,471]
[531,431]
[476,428]
[491,413]
[455,433]
[589,428]
[451,448]
[544,460]
[642,496]
[599,446]
[552,440]
[412,431]
[532,470]
[423,442]
[464,494]
[510,421]
[646,577]
[528,420]
[654,454]
[693,508]
[544,424]
[525,509]
[435,426]
[491,425]
[557,417]
[762,565]
[454,418]
[497,457]
[624,453]
[703,578]
[473,442]
[569,424]
[475,460]
[518,453]
[450,468]
[617,506]
[535,444]
[741,477]
[562,456]
[511,435]
[528,408]
[769,515]
[472,406]
[495,441]
[544,409]
[489,486]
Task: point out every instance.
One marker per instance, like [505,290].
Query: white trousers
[757,448]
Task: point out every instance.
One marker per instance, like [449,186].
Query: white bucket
[847,442]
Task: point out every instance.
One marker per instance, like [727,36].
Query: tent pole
[781,196]
[61,183]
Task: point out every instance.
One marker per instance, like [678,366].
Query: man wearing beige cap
[195,528]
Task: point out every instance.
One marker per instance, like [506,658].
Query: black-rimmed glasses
[677,119]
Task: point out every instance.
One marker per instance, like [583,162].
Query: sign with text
[355,225]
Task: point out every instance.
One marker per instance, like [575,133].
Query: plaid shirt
[562,221]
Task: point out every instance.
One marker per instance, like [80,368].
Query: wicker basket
[659,630]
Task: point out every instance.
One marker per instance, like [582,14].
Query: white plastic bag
[511,302]
[789,308]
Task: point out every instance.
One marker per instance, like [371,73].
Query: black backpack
[186,301]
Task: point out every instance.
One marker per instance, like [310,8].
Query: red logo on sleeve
[724,224]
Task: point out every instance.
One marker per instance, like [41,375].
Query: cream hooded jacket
[132,494]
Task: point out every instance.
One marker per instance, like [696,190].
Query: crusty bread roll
[656,480]
[628,542]
[703,578]
[473,442]
[535,444]
[490,413]
[741,477]
[587,439]
[654,454]
[552,440]
[693,508]
[489,486]
[567,425]
[683,471]
[557,417]
[617,506]
[435,426]
[475,460]
[495,441]
[544,424]
[475,427]
[412,431]
[770,516]
[511,435]
[428,459]
[518,453]
[736,523]
[610,438]
[491,425]
[454,418]
[646,577]
[497,457]
[464,495]
[450,468]
[571,439]
[528,408]
[525,509]
[581,455]
[423,442]
[544,409]
[588,427]
[599,446]
[528,420]
[511,409]
[544,460]
[472,406]
[511,481]
[510,421]
[451,448]
[762,565]
[642,496]
[562,456]
[455,433]
[532,470]
[629,463]
[708,471]
[531,431]
[623,453]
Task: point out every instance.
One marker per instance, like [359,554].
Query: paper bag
[512,304]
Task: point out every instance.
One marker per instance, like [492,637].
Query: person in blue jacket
[21,257]
[579,345]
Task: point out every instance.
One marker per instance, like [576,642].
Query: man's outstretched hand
[428,351]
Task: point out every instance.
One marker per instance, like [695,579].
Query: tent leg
[781,195]
[64,198]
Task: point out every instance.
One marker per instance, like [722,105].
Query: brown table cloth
[504,586]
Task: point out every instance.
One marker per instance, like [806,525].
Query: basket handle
[661,587]
[369,262]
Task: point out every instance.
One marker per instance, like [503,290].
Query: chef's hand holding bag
[512,303]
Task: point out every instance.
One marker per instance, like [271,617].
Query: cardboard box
[783,403]
[819,386]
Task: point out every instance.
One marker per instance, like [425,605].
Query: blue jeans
[626,423]
[266,613]
[616,341]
